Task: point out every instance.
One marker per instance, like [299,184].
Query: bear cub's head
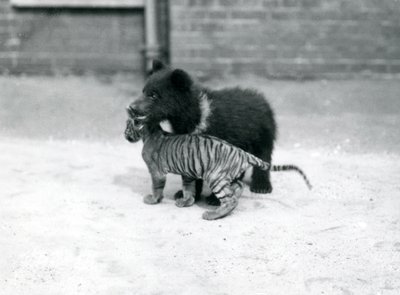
[169,94]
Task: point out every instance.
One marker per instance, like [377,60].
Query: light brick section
[286,38]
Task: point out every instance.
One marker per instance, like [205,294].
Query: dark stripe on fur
[292,168]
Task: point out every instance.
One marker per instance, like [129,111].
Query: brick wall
[273,38]
[286,38]
[70,40]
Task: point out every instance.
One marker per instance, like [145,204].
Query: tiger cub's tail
[257,162]
[292,168]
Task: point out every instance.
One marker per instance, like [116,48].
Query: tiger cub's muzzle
[134,124]
[138,118]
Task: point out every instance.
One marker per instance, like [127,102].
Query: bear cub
[242,117]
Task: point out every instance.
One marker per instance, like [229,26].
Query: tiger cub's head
[132,133]
[134,126]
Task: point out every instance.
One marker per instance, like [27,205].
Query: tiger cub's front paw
[151,200]
[184,202]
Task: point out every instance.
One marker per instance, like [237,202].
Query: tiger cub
[220,164]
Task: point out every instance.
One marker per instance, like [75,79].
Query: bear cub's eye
[153,96]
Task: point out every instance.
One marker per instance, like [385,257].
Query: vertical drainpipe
[152,48]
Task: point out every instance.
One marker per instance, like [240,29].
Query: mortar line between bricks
[301,61]
[48,55]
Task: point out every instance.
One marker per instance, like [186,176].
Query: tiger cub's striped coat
[217,162]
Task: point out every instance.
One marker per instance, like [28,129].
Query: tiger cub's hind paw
[211,215]
[151,200]
[184,202]
[223,210]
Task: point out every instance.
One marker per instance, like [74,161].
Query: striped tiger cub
[220,164]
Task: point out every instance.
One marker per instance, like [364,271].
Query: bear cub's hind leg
[260,180]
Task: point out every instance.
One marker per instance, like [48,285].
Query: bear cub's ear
[181,80]
[157,65]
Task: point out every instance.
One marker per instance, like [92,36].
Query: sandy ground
[72,220]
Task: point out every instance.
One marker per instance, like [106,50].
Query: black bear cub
[242,117]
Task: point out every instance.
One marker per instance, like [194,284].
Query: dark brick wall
[286,38]
[70,40]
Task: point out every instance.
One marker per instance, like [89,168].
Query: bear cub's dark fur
[242,117]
